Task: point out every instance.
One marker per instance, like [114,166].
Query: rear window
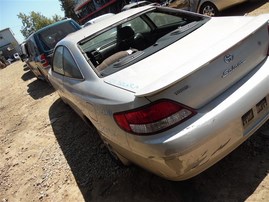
[133,40]
[51,36]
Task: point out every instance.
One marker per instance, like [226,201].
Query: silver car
[165,88]
[212,7]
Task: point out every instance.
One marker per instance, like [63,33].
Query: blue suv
[40,45]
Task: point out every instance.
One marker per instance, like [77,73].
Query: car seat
[128,39]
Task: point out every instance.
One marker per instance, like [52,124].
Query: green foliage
[68,8]
[35,21]
[56,18]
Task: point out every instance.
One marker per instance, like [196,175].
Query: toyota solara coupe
[168,90]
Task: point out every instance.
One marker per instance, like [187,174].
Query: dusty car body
[161,97]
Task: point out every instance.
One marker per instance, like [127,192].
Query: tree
[68,7]
[35,21]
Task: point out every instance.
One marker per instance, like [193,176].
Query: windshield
[137,38]
[51,36]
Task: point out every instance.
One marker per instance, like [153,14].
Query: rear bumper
[182,153]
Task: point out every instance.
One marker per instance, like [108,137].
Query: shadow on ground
[234,178]
[27,76]
[39,89]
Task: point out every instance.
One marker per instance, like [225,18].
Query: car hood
[189,54]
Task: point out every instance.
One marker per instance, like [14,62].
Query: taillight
[44,61]
[153,118]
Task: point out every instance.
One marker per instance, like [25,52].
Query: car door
[33,54]
[57,71]
[75,87]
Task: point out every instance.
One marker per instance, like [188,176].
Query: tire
[116,157]
[209,9]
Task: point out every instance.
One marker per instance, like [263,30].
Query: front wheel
[209,9]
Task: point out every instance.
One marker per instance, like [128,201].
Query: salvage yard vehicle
[165,88]
[138,4]
[98,19]
[41,43]
[213,7]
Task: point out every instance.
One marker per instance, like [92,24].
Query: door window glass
[138,25]
[70,67]
[58,60]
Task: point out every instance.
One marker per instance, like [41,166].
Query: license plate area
[262,105]
[247,117]
[255,112]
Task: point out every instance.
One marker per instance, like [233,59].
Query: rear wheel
[209,9]
[118,158]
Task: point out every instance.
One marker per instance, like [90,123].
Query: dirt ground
[49,154]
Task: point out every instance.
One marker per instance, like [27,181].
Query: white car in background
[166,89]
[98,19]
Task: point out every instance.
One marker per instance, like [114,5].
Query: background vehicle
[24,52]
[3,62]
[98,19]
[138,4]
[25,58]
[212,7]
[158,95]
[40,45]
[91,9]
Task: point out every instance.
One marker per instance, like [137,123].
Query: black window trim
[52,68]
[66,48]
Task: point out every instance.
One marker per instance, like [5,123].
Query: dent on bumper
[184,166]
[211,137]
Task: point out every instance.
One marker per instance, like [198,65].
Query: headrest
[125,33]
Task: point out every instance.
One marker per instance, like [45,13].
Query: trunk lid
[200,66]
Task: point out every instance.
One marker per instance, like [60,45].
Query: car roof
[87,31]
[49,26]
[54,24]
